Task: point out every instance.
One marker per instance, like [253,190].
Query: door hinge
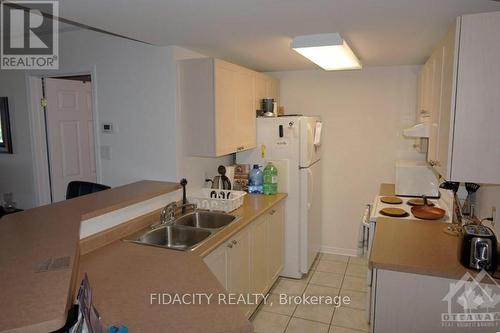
[43,102]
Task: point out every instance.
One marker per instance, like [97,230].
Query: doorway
[69,128]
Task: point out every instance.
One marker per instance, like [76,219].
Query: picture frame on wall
[5,133]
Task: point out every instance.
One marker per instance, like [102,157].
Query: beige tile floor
[330,275]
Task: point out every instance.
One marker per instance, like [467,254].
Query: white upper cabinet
[218,104]
[458,95]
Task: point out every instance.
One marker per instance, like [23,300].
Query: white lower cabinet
[415,303]
[239,265]
[275,243]
[217,261]
[251,260]
[260,276]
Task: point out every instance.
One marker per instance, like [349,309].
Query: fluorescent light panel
[329,51]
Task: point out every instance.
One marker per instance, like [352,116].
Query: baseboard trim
[339,250]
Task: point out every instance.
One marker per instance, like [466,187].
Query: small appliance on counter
[416,178]
[221,181]
[479,248]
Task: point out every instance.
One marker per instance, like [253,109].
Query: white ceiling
[257,33]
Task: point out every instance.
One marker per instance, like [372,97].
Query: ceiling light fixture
[329,51]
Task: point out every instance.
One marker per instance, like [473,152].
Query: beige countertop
[416,246]
[34,301]
[123,275]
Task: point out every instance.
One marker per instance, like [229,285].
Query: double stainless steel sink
[185,232]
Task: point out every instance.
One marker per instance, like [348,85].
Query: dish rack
[214,199]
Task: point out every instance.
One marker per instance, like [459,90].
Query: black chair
[79,188]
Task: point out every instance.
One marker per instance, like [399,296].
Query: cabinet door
[260,255]
[272,88]
[447,103]
[225,107]
[260,90]
[265,87]
[420,94]
[426,91]
[245,122]
[217,262]
[476,153]
[276,242]
[239,265]
[435,103]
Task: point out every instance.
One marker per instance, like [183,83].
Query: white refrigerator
[293,144]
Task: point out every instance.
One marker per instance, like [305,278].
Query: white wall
[487,197]
[16,174]
[136,87]
[363,115]
[135,90]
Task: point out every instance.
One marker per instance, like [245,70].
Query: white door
[310,221]
[70,134]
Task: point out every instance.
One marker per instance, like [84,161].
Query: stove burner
[391,200]
[394,212]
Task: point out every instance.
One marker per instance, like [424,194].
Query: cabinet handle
[240,148]
[234,242]
[272,212]
[230,245]
[434,163]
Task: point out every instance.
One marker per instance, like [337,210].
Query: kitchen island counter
[34,297]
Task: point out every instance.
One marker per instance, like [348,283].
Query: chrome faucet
[167,215]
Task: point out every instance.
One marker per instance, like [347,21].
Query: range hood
[422,130]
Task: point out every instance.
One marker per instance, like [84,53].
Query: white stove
[372,213]
[378,205]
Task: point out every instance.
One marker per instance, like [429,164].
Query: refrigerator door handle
[309,188]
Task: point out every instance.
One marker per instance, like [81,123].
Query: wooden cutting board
[393,212]
[391,200]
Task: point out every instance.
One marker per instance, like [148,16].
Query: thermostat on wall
[107,128]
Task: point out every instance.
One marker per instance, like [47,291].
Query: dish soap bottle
[256,178]
[270,179]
